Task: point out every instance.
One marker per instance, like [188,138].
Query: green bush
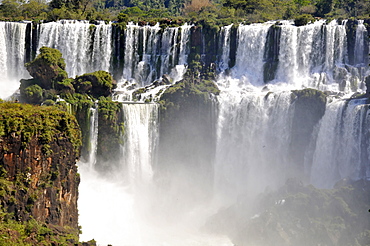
[33,94]
[302,20]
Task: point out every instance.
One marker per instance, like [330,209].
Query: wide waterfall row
[320,55]
[265,138]
[139,53]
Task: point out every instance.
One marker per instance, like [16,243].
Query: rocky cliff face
[46,184]
[39,147]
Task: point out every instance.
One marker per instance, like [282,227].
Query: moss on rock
[46,123]
[110,127]
[48,67]
[97,84]
[187,131]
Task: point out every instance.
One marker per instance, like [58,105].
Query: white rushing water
[142,55]
[141,135]
[253,139]
[86,48]
[254,128]
[340,151]
[249,56]
[12,57]
[224,42]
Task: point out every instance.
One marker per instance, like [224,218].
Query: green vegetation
[48,68]
[50,81]
[27,232]
[219,12]
[46,123]
[45,142]
[96,84]
[197,84]
[33,94]
[309,94]
[31,233]
[51,86]
[112,125]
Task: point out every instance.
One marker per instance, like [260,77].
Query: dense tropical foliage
[126,10]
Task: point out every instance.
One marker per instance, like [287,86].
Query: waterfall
[255,118]
[180,68]
[342,146]
[252,140]
[225,43]
[169,49]
[147,47]
[288,64]
[315,55]
[93,135]
[310,55]
[85,47]
[360,55]
[141,53]
[141,133]
[119,224]
[12,56]
[250,51]
[184,49]
[130,47]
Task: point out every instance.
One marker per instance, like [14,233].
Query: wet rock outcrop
[187,131]
[309,108]
[48,67]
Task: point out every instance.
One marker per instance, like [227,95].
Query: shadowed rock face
[45,185]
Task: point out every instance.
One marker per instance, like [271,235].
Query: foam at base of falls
[112,213]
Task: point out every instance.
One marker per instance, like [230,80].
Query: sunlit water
[128,207]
